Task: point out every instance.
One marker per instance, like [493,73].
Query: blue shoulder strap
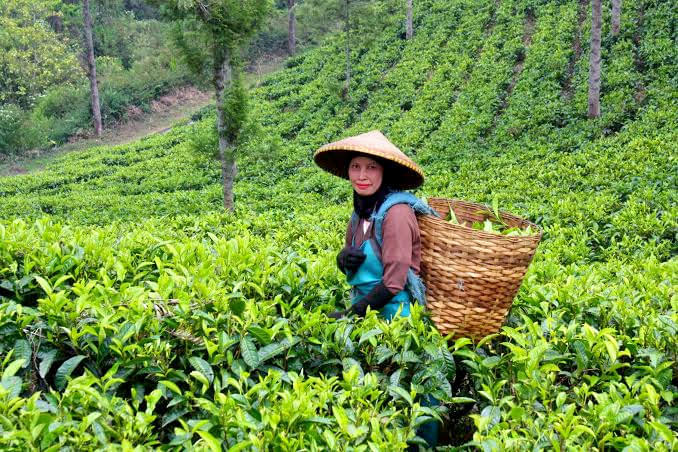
[414,284]
[398,197]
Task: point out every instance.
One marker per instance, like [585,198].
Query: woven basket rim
[516,238]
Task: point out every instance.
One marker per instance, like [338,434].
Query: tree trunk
[91,68]
[347,83]
[616,16]
[410,30]
[56,23]
[291,28]
[594,62]
[223,77]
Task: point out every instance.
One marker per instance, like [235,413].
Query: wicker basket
[471,276]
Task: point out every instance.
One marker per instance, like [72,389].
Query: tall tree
[361,18]
[347,30]
[224,26]
[409,27]
[91,67]
[616,16]
[594,62]
[291,28]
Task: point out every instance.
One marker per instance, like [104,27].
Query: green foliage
[11,120]
[235,108]
[225,26]
[32,56]
[193,45]
[124,315]
[66,108]
[227,22]
[44,79]
[200,327]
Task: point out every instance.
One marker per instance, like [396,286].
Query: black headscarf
[364,206]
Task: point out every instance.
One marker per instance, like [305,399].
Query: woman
[382,252]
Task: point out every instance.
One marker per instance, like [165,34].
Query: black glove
[377,298]
[350,258]
[338,314]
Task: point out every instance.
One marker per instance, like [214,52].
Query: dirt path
[165,112]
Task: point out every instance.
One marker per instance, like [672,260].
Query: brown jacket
[401,248]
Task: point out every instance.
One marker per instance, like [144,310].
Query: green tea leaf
[400,392]
[408,356]
[13,368]
[383,352]
[173,416]
[211,441]
[394,379]
[664,431]
[44,284]
[260,334]
[450,365]
[340,416]
[249,352]
[12,385]
[581,355]
[451,216]
[349,363]
[65,370]
[274,349]
[22,350]
[495,207]
[203,367]
[46,362]
[237,305]
[171,386]
[320,420]
[493,413]
[368,334]
[242,445]
[461,400]
[61,280]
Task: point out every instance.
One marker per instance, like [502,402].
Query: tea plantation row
[135,314]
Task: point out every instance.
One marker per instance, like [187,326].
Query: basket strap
[398,197]
[414,284]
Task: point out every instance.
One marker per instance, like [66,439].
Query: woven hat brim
[402,175]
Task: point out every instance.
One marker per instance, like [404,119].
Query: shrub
[11,121]
[67,110]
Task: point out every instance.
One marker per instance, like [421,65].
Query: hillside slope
[490,98]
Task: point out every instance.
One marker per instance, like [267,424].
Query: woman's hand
[350,258]
[338,314]
[376,299]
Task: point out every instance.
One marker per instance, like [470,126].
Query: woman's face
[365,174]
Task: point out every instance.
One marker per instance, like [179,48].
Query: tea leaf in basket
[451,217]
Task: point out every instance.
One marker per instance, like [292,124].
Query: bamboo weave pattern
[471,276]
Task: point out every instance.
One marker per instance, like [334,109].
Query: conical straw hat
[402,173]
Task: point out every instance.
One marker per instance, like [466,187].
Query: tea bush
[135,313]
